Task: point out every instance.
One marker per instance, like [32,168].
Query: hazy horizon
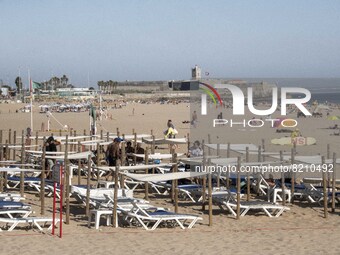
[161,40]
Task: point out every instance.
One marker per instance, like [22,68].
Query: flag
[34,85]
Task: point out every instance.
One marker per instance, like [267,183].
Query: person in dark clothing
[139,150]
[51,146]
[113,152]
[129,150]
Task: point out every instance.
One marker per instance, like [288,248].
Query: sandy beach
[302,230]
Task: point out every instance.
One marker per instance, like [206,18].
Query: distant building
[196,73]
[183,85]
[4,91]
[75,92]
[112,87]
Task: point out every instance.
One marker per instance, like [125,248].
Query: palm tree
[115,85]
[101,84]
[18,84]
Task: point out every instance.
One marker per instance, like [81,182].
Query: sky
[161,39]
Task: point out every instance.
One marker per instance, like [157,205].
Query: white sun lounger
[11,197]
[154,219]
[270,209]
[32,221]
[98,213]
[14,213]
[151,220]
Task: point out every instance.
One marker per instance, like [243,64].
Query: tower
[196,73]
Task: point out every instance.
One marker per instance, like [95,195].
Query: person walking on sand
[194,119]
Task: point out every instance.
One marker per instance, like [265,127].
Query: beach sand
[302,230]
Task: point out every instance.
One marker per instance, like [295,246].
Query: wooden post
[107,136]
[259,159]
[67,186]
[325,193]
[146,184]
[210,198]
[122,181]
[173,160]
[115,196]
[101,134]
[88,186]
[22,176]
[135,148]
[228,151]
[175,170]
[328,151]
[204,180]
[283,186]
[8,151]
[248,174]
[188,144]
[333,181]
[238,195]
[219,173]
[14,142]
[98,161]
[153,145]
[42,176]
[6,158]
[209,142]
[10,137]
[263,148]
[79,165]
[328,157]
[292,175]
[60,133]
[1,173]
[36,138]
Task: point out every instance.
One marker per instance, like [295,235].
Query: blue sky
[162,40]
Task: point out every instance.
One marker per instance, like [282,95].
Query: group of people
[114,155]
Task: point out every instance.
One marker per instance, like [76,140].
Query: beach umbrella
[333,117]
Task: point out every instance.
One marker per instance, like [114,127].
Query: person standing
[194,119]
[51,146]
[113,152]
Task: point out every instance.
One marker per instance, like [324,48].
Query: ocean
[322,89]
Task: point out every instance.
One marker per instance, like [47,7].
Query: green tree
[18,83]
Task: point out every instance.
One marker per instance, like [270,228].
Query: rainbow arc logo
[212,92]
